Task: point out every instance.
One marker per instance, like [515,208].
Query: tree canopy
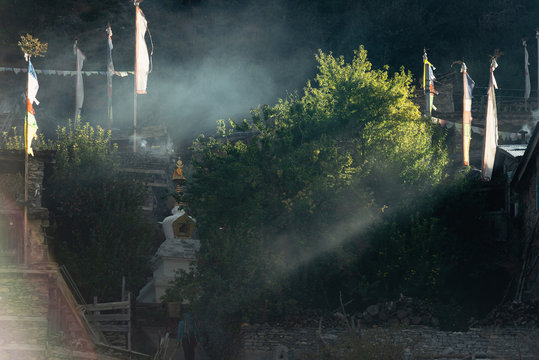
[99,231]
[278,196]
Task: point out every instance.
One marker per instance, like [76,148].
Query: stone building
[525,194]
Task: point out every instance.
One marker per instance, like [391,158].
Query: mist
[210,62]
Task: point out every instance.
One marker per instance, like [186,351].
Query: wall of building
[527,234]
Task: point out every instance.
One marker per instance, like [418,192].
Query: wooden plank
[119,305]
[129,322]
[113,328]
[108,317]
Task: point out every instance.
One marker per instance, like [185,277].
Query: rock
[401,314]
[366,317]
[426,319]
[373,310]
[448,351]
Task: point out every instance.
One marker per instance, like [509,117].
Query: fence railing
[72,286]
[111,317]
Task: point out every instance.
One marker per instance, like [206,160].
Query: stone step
[22,351]
[25,296]
[23,330]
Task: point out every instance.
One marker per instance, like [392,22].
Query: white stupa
[175,253]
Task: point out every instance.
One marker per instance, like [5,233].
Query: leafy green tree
[99,231]
[311,172]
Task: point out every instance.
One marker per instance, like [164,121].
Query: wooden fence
[114,317]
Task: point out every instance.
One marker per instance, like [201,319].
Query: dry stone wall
[268,343]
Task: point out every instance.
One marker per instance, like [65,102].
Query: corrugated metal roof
[514,150]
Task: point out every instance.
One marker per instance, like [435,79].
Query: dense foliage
[99,232]
[311,173]
[439,248]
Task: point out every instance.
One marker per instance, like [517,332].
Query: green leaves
[278,198]
[32,46]
[100,233]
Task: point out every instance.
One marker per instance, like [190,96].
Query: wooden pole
[129,323]
[109,76]
[75,120]
[135,87]
[463,115]
[25,216]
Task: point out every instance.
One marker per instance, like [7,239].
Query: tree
[99,230]
[439,248]
[310,173]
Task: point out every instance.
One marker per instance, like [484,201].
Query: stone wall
[265,342]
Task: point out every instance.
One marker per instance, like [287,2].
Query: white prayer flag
[491,127]
[142,60]
[527,85]
[79,84]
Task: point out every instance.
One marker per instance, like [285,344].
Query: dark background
[216,59]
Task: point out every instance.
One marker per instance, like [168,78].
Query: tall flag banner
[428,84]
[110,72]
[142,59]
[468,85]
[527,85]
[79,84]
[491,126]
[31,124]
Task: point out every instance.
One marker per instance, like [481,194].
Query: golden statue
[178,177]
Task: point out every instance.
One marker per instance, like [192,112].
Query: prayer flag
[110,71]
[468,85]
[79,84]
[527,85]
[428,85]
[31,124]
[491,127]
[33,85]
[142,60]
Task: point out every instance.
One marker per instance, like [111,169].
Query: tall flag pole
[527,85]
[491,125]
[142,63]
[79,84]
[110,72]
[428,84]
[467,85]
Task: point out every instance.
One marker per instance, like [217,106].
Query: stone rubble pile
[404,311]
[518,314]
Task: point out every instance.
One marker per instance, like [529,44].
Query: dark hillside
[217,59]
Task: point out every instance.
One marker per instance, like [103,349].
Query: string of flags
[64,72]
[503,135]
[490,132]
[143,66]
